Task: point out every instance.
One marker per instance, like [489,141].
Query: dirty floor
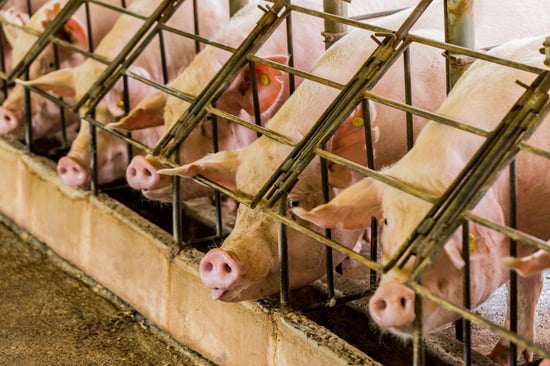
[51,317]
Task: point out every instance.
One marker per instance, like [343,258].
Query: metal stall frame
[392,44]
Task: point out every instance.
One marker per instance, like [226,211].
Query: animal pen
[148,253]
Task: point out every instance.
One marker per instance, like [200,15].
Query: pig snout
[392,305]
[218,272]
[72,173]
[8,121]
[142,174]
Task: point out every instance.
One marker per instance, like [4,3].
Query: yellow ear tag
[472,244]
[67,28]
[357,122]
[120,103]
[264,79]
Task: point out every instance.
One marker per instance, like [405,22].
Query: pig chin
[249,291]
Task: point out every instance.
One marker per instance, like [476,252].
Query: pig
[142,171]
[530,265]
[482,96]
[18,13]
[237,99]
[45,114]
[75,82]
[246,266]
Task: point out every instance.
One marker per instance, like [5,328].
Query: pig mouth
[217,293]
[163,194]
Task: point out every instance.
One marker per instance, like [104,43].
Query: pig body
[250,251]
[75,82]
[45,114]
[142,171]
[481,98]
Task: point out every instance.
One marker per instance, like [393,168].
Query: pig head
[45,114]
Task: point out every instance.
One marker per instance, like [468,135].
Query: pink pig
[481,98]
[45,114]
[17,12]
[75,82]
[247,266]
[237,99]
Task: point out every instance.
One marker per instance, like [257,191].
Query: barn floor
[50,317]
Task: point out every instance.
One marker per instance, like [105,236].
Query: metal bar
[383,57]
[466,336]
[408,97]
[283,259]
[476,319]
[334,30]
[459,30]
[44,38]
[513,289]
[112,72]
[189,119]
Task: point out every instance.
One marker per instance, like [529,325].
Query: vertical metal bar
[196,26]
[467,246]
[28,112]
[255,98]
[418,346]
[513,252]
[334,30]
[546,50]
[408,97]
[290,49]
[235,5]
[217,194]
[328,232]
[459,30]
[370,164]
[177,229]
[283,258]
[93,156]
[65,142]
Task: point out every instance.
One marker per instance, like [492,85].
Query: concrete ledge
[130,257]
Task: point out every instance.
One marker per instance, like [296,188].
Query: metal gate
[449,211]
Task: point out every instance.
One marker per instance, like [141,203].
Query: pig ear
[73,31]
[352,209]
[349,143]
[148,113]
[530,265]
[270,82]
[59,82]
[480,236]
[16,17]
[220,167]
[137,91]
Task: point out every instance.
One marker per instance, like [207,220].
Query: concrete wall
[130,256]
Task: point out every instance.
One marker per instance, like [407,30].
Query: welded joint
[331,37]
[546,50]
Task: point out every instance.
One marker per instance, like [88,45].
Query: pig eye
[293,203]
[48,65]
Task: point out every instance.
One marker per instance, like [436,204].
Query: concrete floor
[49,316]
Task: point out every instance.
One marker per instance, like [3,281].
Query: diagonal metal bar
[130,53]
[370,72]
[190,118]
[99,87]
[468,188]
[66,12]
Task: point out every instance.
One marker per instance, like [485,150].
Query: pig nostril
[227,268]
[403,302]
[148,172]
[208,267]
[7,118]
[381,305]
[133,172]
[62,171]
